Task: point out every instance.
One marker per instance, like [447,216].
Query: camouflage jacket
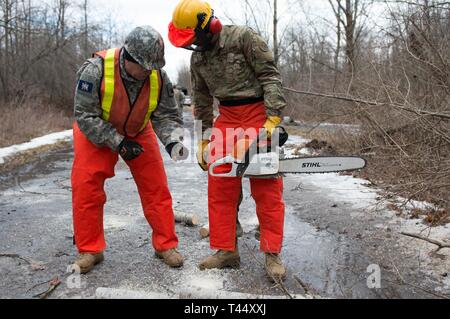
[239,66]
[88,112]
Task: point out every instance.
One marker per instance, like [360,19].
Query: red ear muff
[215,26]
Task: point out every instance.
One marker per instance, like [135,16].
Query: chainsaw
[261,161]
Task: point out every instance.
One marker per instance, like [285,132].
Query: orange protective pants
[224,192]
[93,165]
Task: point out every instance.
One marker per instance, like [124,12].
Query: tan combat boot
[274,267]
[171,257]
[221,259]
[86,262]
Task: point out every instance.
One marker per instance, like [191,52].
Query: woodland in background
[399,76]
[382,65]
[42,44]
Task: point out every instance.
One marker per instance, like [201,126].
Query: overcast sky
[158,13]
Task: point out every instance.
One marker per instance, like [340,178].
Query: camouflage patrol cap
[146,46]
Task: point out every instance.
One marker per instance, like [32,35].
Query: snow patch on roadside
[292,144]
[343,188]
[416,226]
[34,143]
[433,263]
[413,204]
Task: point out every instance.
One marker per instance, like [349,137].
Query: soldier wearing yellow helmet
[234,65]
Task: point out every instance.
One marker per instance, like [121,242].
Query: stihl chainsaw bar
[321,164]
[266,164]
[261,161]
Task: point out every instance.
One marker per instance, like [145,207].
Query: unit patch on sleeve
[85,86]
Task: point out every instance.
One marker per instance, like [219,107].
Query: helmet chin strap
[203,36]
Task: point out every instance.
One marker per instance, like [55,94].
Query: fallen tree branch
[39,284]
[432,241]
[305,287]
[278,281]
[400,281]
[17,256]
[54,283]
[23,190]
[353,99]
[34,265]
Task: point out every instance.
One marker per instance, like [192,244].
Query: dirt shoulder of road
[26,157]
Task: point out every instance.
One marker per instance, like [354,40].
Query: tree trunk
[86,47]
[275,32]
[350,35]
[5,66]
[338,46]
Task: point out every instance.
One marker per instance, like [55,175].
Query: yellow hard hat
[185,15]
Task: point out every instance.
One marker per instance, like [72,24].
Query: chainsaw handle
[238,167]
[222,161]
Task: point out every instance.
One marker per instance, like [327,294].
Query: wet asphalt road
[329,243]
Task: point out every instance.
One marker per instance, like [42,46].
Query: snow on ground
[416,226]
[347,127]
[292,144]
[344,188]
[34,143]
[350,128]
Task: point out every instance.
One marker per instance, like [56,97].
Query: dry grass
[25,120]
[339,140]
[28,156]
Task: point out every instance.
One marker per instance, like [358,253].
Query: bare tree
[348,14]
[338,14]
[86,28]
[42,46]
[275,31]
[184,77]
[264,17]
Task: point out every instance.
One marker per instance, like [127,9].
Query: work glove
[284,136]
[129,150]
[177,151]
[202,154]
[271,123]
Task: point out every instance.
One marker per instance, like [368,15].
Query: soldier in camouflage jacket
[122,99]
[234,65]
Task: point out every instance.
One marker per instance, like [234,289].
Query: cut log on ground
[34,265]
[187,219]
[204,232]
